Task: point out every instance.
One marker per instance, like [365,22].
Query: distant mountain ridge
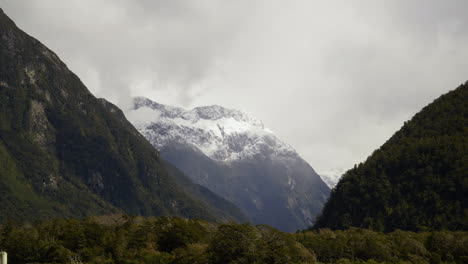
[65,153]
[331,177]
[237,157]
[417,180]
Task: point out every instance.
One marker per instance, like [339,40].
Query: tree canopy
[418,180]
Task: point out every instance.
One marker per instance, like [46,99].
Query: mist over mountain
[237,157]
[82,181]
[66,153]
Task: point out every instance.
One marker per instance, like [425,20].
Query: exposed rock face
[237,157]
[43,133]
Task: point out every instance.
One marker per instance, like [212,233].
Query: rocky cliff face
[64,152]
[237,157]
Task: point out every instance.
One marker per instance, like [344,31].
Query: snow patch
[222,134]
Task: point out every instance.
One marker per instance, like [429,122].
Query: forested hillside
[418,180]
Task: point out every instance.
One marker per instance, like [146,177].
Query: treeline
[361,245]
[135,240]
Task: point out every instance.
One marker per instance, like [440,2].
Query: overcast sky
[334,79]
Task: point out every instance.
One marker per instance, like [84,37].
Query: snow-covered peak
[220,133]
[160,109]
[213,112]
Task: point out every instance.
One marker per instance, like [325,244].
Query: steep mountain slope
[235,156]
[64,152]
[418,179]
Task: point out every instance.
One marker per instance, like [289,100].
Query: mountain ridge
[222,125]
[237,157]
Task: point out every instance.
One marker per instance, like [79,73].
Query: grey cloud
[173,43]
[335,79]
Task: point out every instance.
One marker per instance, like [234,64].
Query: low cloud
[333,79]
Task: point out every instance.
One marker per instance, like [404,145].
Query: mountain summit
[237,157]
[224,135]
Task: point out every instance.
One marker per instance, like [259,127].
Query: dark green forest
[125,239]
[418,180]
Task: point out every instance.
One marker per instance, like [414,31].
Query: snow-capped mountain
[237,157]
[222,134]
[332,176]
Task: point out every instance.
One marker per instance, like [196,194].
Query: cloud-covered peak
[220,133]
[212,112]
[350,72]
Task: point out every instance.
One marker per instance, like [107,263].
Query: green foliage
[233,244]
[137,240]
[418,180]
[178,233]
[191,254]
[276,247]
[366,246]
